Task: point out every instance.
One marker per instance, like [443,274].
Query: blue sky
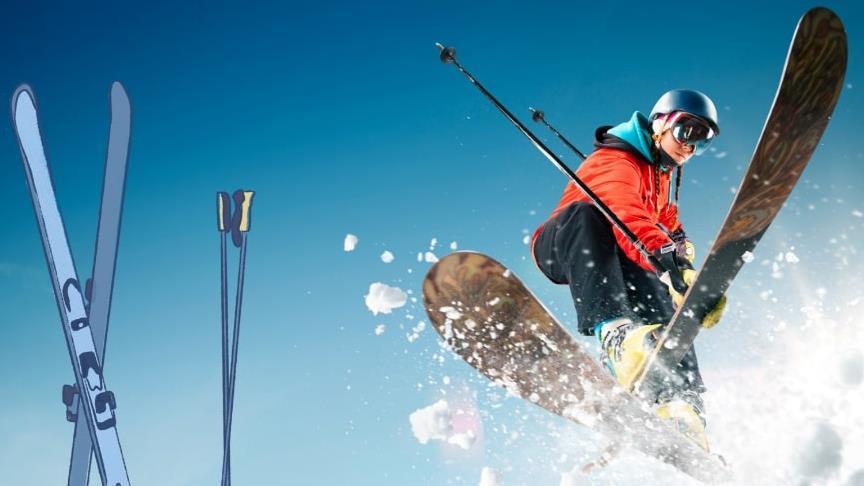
[343,120]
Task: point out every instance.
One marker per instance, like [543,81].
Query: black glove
[683,247]
[673,268]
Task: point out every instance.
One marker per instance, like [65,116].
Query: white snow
[436,422]
[387,257]
[464,440]
[379,329]
[383,299]
[454,246]
[350,242]
[857,213]
[432,422]
[430,257]
[747,257]
[791,257]
[489,477]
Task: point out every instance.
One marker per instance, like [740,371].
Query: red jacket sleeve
[669,217]
[617,181]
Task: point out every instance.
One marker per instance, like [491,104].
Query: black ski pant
[577,248]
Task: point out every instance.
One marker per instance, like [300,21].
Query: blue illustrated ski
[97,402]
[101,285]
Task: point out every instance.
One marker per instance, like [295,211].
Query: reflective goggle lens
[692,131]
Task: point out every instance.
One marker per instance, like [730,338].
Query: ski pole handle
[243,201]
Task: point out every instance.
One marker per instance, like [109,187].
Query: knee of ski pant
[543,253]
[582,228]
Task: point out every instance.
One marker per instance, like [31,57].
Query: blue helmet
[689,101]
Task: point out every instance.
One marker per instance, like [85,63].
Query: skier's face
[680,152]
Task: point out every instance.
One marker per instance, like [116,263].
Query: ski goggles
[691,130]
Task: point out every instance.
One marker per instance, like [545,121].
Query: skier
[616,291]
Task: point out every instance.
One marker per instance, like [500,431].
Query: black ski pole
[540,117]
[448,56]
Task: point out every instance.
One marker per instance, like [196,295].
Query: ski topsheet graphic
[808,91]
[97,401]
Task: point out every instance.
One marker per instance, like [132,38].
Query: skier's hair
[657,126]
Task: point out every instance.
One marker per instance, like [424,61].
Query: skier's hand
[678,276]
[672,269]
[684,248]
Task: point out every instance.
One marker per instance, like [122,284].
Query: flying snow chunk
[791,257]
[720,155]
[350,242]
[857,213]
[464,440]
[383,299]
[747,257]
[379,329]
[454,246]
[387,257]
[489,477]
[432,422]
[430,257]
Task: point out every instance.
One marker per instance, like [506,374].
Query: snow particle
[387,257]
[383,299]
[464,440]
[379,329]
[454,246]
[432,422]
[430,257]
[350,242]
[489,477]
[857,213]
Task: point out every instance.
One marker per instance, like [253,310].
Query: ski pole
[223,220]
[238,224]
[540,117]
[448,56]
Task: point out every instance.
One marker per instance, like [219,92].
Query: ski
[101,284]
[98,402]
[808,91]
[489,318]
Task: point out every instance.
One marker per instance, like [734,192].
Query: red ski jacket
[635,190]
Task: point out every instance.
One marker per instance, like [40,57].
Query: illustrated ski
[487,316]
[98,402]
[102,282]
[808,91]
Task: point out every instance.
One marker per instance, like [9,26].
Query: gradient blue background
[342,119]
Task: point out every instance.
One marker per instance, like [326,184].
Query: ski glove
[678,275]
[684,248]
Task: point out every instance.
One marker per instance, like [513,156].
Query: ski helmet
[689,101]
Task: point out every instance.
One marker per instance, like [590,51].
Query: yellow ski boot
[626,347]
[684,409]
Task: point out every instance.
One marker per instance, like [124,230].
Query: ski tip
[23,89]
[118,91]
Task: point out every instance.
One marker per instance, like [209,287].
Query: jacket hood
[633,136]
